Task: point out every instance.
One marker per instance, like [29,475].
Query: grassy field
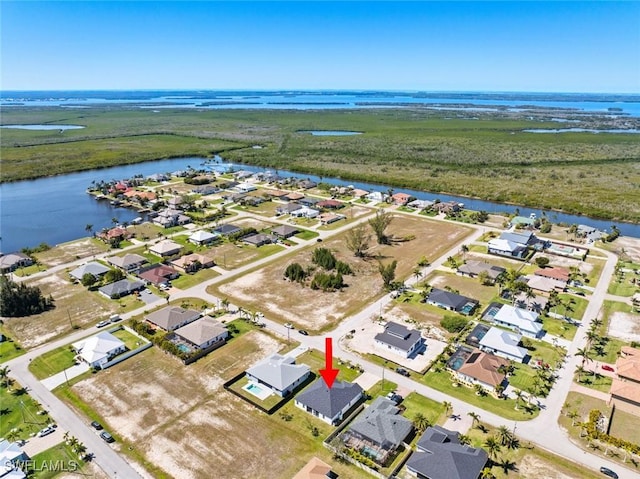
[9,349]
[19,411]
[187,280]
[52,362]
[168,417]
[265,289]
[66,252]
[414,403]
[490,157]
[64,458]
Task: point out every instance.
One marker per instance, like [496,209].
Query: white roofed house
[97,350]
[503,343]
[166,248]
[96,269]
[278,373]
[305,212]
[203,237]
[519,320]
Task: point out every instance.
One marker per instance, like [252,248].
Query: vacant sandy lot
[268,291]
[625,326]
[73,305]
[534,468]
[67,252]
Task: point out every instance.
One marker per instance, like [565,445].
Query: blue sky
[451,46]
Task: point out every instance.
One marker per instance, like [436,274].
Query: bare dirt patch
[631,247]
[266,290]
[533,467]
[66,252]
[625,326]
[73,305]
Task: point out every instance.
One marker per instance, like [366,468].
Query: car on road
[303,332]
[288,325]
[402,371]
[46,431]
[606,367]
[107,437]
[96,425]
[608,472]
[102,324]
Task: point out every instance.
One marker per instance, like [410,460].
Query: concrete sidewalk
[57,379]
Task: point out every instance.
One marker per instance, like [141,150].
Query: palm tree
[486,473]
[591,336]
[464,249]
[475,418]
[584,354]
[421,422]
[80,448]
[447,407]
[573,415]
[13,434]
[225,304]
[417,273]
[464,439]
[505,436]
[580,370]
[596,322]
[4,375]
[519,396]
[493,447]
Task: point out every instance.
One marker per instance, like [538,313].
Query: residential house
[242,175]
[117,233]
[257,240]
[557,273]
[477,333]
[192,262]
[329,404]
[451,301]
[97,350]
[206,190]
[401,199]
[142,195]
[447,207]
[293,196]
[377,196]
[288,208]
[420,204]
[328,218]
[536,303]
[174,202]
[330,204]
[12,261]
[545,285]
[159,177]
[284,231]
[400,340]
[589,233]
[474,268]
[170,217]
[523,238]
[129,262]
[278,373]
[504,247]
[227,229]
[380,428]
[11,455]
[307,184]
[203,333]
[316,469]
[97,270]
[158,274]
[121,288]
[358,193]
[521,321]
[245,187]
[276,193]
[440,455]
[305,212]
[503,343]
[309,201]
[625,387]
[526,222]
[166,248]
[171,318]
[202,237]
[483,369]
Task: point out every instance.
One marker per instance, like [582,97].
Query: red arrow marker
[328,373]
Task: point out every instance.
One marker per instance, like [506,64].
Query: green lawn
[61,456]
[548,353]
[306,235]
[594,275]
[559,327]
[9,349]
[441,380]
[382,388]
[52,362]
[131,341]
[316,360]
[572,306]
[597,382]
[29,270]
[188,280]
[625,425]
[268,403]
[621,283]
[19,411]
[607,349]
[414,403]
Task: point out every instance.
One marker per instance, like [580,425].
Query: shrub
[323,257]
[343,268]
[542,261]
[453,324]
[295,272]
[327,282]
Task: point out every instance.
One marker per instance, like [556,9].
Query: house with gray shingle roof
[279,373]
[94,268]
[121,288]
[399,340]
[381,427]
[128,262]
[172,317]
[329,404]
[451,301]
[440,455]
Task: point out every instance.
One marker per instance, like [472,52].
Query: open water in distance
[57,209]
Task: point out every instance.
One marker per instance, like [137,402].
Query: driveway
[57,379]
[148,297]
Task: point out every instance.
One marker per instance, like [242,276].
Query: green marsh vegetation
[489,157]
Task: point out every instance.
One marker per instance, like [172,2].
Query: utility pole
[69,316]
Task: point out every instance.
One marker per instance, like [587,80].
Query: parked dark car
[96,425]
[608,472]
[303,332]
[107,437]
[402,371]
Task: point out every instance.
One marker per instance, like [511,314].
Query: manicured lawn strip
[522,378]
[52,362]
[381,388]
[60,455]
[610,345]
[388,365]
[470,287]
[622,288]
[16,405]
[414,403]
[142,251]
[9,349]
[306,235]
[559,327]
[597,382]
[187,280]
[131,341]
[503,407]
[316,361]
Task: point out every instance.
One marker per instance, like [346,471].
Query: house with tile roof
[279,373]
[400,340]
[192,262]
[316,469]
[556,272]
[329,404]
[503,343]
[158,274]
[483,369]
[440,455]
[625,388]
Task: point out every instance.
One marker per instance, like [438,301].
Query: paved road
[543,430]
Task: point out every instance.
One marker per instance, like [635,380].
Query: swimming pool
[257,391]
[457,363]
[368,451]
[184,348]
